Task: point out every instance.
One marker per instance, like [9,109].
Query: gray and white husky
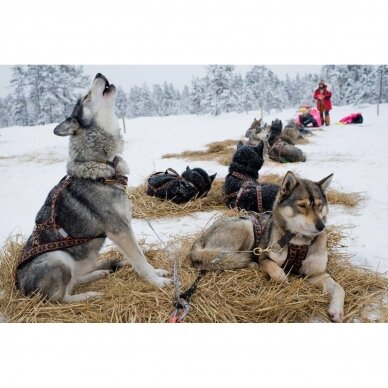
[295,230]
[91,204]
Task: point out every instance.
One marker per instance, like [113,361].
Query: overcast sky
[179,75]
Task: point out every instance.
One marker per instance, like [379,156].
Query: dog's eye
[302,205]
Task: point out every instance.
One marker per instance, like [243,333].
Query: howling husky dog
[87,206]
[294,232]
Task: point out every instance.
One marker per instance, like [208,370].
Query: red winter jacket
[323,105]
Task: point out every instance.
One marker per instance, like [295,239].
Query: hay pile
[228,296]
[219,151]
[305,140]
[144,206]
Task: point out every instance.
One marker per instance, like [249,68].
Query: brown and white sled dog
[294,231]
[87,206]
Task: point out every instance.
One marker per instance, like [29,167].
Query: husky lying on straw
[294,235]
[87,206]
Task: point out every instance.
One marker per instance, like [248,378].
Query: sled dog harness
[35,247]
[166,185]
[296,254]
[248,183]
[259,222]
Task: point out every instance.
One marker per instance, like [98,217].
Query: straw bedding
[225,296]
[220,151]
[144,206]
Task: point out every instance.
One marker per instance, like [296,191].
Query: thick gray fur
[88,207]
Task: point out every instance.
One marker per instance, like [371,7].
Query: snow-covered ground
[33,160]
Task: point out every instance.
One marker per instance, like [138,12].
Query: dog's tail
[215,259]
[112,265]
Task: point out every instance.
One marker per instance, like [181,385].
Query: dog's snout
[99,75]
[319,225]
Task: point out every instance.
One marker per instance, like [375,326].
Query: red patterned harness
[247,184]
[296,254]
[35,247]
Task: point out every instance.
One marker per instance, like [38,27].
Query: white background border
[193,32]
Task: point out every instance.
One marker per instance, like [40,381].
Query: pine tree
[185,101]
[19,109]
[157,97]
[4,116]
[263,85]
[122,103]
[71,82]
[197,95]
[219,94]
[52,91]
[146,101]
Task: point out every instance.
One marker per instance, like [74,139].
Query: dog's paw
[253,265]
[160,281]
[93,294]
[336,314]
[161,272]
[279,276]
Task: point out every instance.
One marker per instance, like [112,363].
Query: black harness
[174,178]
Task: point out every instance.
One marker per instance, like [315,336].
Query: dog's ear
[240,144]
[260,148]
[66,128]
[212,177]
[325,182]
[288,185]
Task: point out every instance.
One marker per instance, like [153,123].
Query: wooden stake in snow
[125,131]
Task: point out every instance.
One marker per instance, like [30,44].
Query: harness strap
[258,228]
[248,183]
[296,254]
[243,177]
[50,222]
[35,247]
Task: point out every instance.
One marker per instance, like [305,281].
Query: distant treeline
[41,94]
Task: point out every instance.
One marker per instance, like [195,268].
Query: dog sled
[353,118]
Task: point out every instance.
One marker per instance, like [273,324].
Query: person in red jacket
[322,95]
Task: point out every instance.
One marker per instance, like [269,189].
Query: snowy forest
[42,94]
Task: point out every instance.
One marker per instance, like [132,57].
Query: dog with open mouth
[84,208]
